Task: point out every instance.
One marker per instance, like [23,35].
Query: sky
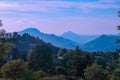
[58,16]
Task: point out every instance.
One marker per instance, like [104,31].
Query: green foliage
[60,70]
[60,77]
[28,75]
[78,63]
[61,52]
[116,74]
[113,77]
[118,71]
[39,74]
[95,72]
[41,57]
[14,69]
[47,63]
[4,48]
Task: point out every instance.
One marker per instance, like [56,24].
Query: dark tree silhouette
[0,23]
[2,31]
[118,16]
[118,27]
[119,13]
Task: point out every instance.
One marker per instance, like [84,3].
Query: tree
[39,74]
[119,13]
[60,77]
[0,23]
[60,70]
[41,57]
[95,72]
[117,71]
[78,63]
[15,53]
[2,31]
[118,40]
[116,75]
[4,48]
[14,69]
[15,34]
[113,77]
[61,52]
[77,66]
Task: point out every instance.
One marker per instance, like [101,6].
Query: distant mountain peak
[69,32]
[81,39]
[103,35]
[31,29]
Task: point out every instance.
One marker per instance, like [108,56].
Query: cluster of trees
[45,62]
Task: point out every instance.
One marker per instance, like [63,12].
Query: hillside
[23,43]
[102,43]
[81,39]
[51,38]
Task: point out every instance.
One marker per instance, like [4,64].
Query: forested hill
[30,58]
[23,43]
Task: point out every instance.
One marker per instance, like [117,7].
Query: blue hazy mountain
[51,38]
[81,39]
[102,43]
[70,40]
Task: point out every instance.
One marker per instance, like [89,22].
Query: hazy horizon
[64,32]
[83,17]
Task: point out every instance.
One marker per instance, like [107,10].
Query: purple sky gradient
[57,17]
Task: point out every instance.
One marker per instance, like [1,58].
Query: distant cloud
[109,0]
[51,6]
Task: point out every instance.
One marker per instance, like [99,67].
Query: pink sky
[90,17]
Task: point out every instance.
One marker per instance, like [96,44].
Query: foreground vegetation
[24,57]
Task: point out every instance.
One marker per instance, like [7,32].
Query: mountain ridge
[90,42]
[102,43]
[81,39]
[51,38]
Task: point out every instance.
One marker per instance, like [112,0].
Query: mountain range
[51,38]
[102,43]
[70,40]
[81,39]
